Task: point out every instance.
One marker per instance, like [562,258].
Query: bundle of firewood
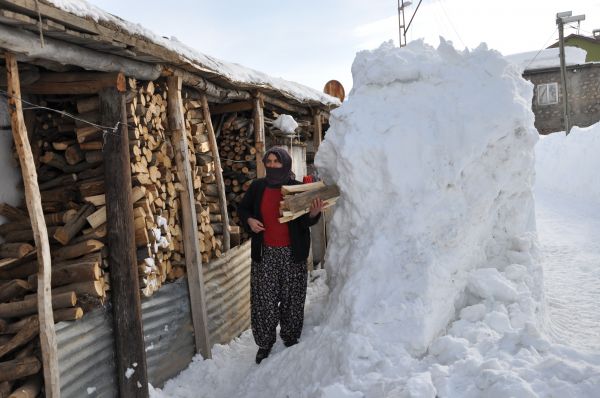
[297,199]
[238,156]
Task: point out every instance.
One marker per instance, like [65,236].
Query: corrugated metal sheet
[227,284]
[168,332]
[86,355]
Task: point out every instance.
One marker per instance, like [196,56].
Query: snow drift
[436,180]
[570,164]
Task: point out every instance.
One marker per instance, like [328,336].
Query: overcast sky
[313,41]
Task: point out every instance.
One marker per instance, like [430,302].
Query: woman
[279,253]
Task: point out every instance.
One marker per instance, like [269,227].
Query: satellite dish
[335,89]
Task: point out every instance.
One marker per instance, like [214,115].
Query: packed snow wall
[433,153]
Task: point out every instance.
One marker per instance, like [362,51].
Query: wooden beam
[212,139]
[259,135]
[27,43]
[40,233]
[124,283]
[285,105]
[193,258]
[76,83]
[318,130]
[232,107]
[212,90]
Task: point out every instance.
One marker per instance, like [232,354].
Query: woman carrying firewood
[279,252]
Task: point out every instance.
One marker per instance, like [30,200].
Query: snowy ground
[569,232]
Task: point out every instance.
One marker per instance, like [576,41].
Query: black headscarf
[277,177]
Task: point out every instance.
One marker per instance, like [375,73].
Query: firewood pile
[238,157]
[208,210]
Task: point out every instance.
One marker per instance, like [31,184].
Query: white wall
[10,175]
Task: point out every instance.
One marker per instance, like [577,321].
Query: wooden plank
[193,257]
[212,139]
[232,107]
[124,283]
[40,233]
[259,136]
[76,83]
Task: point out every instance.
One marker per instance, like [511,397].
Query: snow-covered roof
[547,58]
[194,61]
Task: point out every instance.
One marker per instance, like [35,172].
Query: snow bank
[547,58]
[570,164]
[435,290]
[232,71]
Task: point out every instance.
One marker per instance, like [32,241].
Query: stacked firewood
[208,208]
[297,199]
[157,214]
[238,157]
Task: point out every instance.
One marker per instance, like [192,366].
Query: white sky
[311,41]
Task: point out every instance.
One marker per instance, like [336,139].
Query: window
[547,94]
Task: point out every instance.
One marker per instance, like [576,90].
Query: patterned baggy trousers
[278,292]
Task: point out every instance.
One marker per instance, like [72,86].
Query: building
[141,147]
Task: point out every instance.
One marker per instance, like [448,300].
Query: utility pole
[561,19]
[402,26]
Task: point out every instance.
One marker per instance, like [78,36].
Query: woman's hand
[255,225]
[316,207]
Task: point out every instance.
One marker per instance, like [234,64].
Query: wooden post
[259,135]
[40,233]
[193,259]
[219,174]
[318,130]
[124,283]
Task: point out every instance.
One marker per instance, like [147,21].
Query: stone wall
[583,83]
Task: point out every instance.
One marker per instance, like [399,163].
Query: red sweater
[275,234]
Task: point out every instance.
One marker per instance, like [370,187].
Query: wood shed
[134,152]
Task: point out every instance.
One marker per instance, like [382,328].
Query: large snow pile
[570,164]
[435,288]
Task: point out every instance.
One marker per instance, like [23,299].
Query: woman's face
[273,162]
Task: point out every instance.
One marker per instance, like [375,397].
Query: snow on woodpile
[232,71]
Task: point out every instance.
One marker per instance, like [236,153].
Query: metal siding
[227,284]
[86,355]
[168,332]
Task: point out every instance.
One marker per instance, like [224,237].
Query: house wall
[584,98]
[9,173]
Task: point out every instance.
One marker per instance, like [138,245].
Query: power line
[543,48]
[439,2]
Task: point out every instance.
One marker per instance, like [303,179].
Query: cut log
[78,272]
[30,330]
[78,249]
[293,189]
[74,155]
[97,218]
[12,213]
[19,368]
[68,314]
[15,250]
[28,307]
[14,289]
[88,104]
[75,83]
[68,231]
[30,389]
